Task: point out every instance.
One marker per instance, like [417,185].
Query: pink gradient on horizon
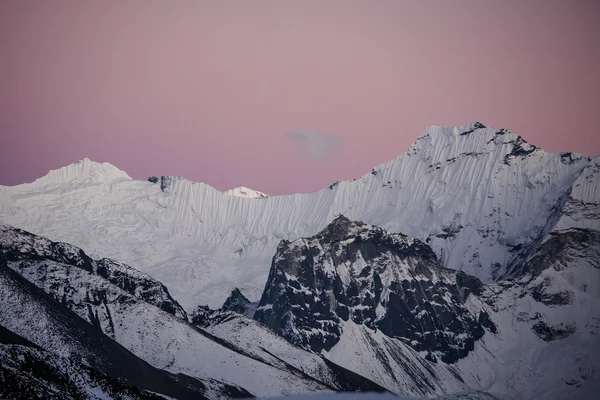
[208,89]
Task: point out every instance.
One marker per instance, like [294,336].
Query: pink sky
[211,89]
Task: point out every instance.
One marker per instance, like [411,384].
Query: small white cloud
[319,146]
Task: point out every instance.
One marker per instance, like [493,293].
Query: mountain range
[469,265]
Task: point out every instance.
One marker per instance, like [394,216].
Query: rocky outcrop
[387,282]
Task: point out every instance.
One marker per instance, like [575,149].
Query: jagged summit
[245,192]
[340,227]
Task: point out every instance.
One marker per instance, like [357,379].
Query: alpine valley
[466,268]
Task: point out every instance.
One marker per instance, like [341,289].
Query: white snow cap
[242,191]
[84,171]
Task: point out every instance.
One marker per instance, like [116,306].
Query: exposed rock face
[520,149]
[549,333]
[165,181]
[204,317]
[388,282]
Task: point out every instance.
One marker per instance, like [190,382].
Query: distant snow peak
[84,171]
[242,191]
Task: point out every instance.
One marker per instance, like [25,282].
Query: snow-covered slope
[482,198]
[27,311]
[260,342]
[548,318]
[29,372]
[242,191]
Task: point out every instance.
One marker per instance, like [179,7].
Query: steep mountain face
[582,208]
[155,328]
[358,272]
[482,198]
[548,320]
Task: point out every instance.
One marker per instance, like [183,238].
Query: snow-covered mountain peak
[479,197]
[242,191]
[344,229]
[470,139]
[340,227]
[83,171]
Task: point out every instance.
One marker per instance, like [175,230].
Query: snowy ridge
[474,194]
[541,336]
[395,365]
[83,171]
[101,282]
